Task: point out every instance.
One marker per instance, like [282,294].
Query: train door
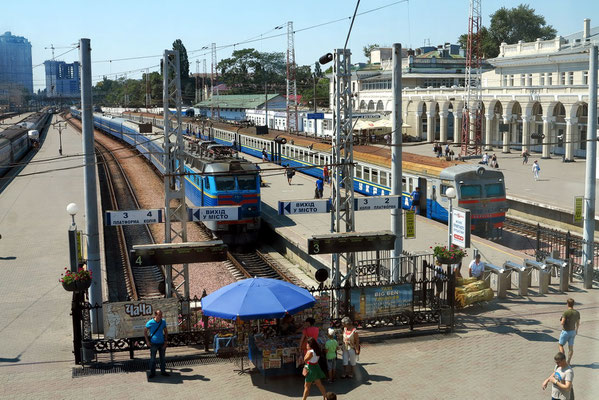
[423,195]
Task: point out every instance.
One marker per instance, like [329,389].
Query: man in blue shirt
[416,200]
[156,336]
[319,188]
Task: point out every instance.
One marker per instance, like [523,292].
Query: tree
[368,49]
[183,59]
[510,26]
[318,70]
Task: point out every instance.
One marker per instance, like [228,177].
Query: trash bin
[88,351]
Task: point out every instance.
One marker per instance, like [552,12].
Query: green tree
[368,49]
[318,70]
[183,59]
[510,26]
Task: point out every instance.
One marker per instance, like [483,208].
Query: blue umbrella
[257,298]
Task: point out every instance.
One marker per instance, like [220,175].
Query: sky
[125,29]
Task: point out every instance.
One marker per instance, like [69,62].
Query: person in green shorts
[312,370]
[570,321]
[331,346]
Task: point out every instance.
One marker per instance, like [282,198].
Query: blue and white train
[215,175]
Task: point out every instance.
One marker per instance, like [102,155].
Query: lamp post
[72,209]
[60,128]
[450,194]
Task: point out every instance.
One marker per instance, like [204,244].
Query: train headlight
[480,171]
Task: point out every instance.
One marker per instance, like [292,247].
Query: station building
[234,107]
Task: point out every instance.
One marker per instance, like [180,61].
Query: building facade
[15,62]
[62,79]
[537,87]
[234,107]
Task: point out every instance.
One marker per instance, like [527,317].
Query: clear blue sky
[120,29]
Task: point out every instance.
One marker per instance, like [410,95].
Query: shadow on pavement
[176,377]
[594,365]
[293,385]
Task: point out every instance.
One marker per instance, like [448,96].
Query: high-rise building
[15,61]
[62,79]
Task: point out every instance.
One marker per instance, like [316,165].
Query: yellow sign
[578,204]
[410,229]
[80,258]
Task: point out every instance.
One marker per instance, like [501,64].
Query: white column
[547,139]
[457,127]
[569,139]
[430,132]
[506,135]
[443,127]
[497,137]
[488,131]
[472,128]
[526,133]
[418,124]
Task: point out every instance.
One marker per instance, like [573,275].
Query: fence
[557,244]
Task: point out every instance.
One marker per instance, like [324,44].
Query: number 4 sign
[133,217]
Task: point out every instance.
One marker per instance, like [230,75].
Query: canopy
[257,298]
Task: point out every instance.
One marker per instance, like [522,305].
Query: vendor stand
[262,300]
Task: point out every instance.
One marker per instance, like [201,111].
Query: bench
[503,276]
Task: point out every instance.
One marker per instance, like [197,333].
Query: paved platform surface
[503,349]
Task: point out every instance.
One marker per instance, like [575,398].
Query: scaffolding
[472,113]
[177,278]
[292,119]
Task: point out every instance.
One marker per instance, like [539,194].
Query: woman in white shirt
[312,370]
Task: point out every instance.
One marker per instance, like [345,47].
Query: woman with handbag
[312,371]
[351,347]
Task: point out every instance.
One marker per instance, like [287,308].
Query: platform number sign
[133,217]
[410,228]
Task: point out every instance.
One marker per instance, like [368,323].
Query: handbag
[305,371]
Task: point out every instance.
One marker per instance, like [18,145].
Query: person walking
[415,200]
[325,174]
[536,169]
[476,267]
[494,161]
[312,371]
[331,346]
[447,150]
[525,156]
[485,160]
[156,336]
[264,154]
[351,347]
[289,172]
[570,322]
[561,379]
[319,188]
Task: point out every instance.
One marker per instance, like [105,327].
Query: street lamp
[72,209]
[450,194]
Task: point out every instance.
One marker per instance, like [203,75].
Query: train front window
[246,182]
[494,190]
[224,182]
[470,191]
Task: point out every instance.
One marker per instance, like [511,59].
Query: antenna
[292,123]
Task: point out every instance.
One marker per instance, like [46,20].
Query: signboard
[223,213]
[133,217]
[315,116]
[178,253]
[304,207]
[377,203]
[410,224]
[128,319]
[372,302]
[578,208]
[145,128]
[460,227]
[351,242]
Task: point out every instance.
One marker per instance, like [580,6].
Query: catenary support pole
[89,185]
[591,173]
[396,170]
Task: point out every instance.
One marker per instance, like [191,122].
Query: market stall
[257,304]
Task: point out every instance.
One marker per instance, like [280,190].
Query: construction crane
[54,48]
[472,112]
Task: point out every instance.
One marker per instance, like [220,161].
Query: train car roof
[469,170]
[13,132]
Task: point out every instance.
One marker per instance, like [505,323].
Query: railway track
[520,227]
[141,282]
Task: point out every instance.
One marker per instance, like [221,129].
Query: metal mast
[197,96]
[204,89]
[342,168]
[472,114]
[292,123]
[212,73]
[177,278]
[148,91]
